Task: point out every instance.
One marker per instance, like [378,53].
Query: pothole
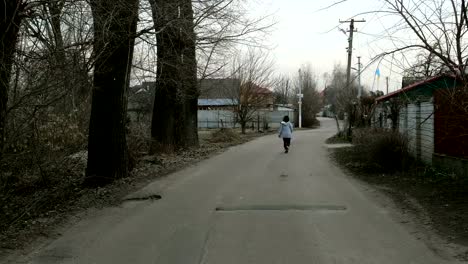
[281,208]
[152,197]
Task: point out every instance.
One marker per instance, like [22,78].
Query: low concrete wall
[456,165]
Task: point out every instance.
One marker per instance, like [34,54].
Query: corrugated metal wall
[212,118]
[275,117]
[412,113]
[427,131]
[416,120]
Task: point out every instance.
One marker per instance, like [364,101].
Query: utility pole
[386,78]
[350,47]
[359,77]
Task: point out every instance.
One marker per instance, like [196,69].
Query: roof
[285,108]
[216,102]
[218,88]
[256,89]
[261,90]
[429,84]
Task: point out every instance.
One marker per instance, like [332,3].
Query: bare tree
[283,91]
[255,72]
[336,92]
[311,102]
[218,24]
[440,28]
[342,97]
[221,25]
[426,65]
[114,34]
[366,108]
[50,78]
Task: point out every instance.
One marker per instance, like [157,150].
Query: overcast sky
[306,35]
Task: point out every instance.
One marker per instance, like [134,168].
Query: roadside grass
[338,139]
[381,158]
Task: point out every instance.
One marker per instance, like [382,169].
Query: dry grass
[224,135]
[384,150]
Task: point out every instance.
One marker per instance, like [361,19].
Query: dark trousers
[286,142]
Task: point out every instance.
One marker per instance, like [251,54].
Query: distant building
[222,93]
[217,94]
[217,102]
[218,88]
[140,100]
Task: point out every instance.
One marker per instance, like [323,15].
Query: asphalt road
[251,204]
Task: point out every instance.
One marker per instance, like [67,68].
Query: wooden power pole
[350,47]
[359,77]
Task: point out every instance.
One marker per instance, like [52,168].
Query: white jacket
[285,130]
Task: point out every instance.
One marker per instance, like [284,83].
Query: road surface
[252,204]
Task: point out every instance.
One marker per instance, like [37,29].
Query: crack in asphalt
[291,207]
[152,197]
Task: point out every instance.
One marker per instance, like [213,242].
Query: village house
[224,93]
[434,115]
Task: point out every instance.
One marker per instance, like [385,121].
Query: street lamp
[300,95]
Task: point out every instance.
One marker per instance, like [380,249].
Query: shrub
[385,149]
[339,138]
[138,142]
[224,135]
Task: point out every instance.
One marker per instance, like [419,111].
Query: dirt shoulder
[431,204]
[34,213]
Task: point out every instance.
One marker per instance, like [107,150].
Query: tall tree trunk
[114,31]
[174,124]
[243,126]
[165,109]
[9,30]
[189,75]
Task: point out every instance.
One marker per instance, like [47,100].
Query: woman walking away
[285,132]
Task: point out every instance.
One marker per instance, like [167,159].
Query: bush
[311,122]
[138,142]
[386,150]
[224,135]
[339,138]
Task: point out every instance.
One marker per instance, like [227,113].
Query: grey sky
[305,35]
